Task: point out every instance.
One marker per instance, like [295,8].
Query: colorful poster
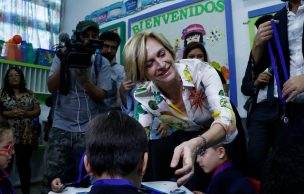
[205,21]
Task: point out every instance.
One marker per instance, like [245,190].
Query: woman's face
[196,54]
[14,78]
[159,66]
[6,149]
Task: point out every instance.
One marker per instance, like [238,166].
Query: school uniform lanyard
[274,66]
[80,175]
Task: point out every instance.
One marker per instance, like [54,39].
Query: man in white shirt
[289,22]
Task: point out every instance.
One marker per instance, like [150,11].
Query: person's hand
[263,79]
[56,185]
[15,113]
[292,87]
[264,33]
[126,85]
[186,151]
[22,113]
[162,130]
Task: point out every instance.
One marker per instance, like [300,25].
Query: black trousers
[295,113]
[23,154]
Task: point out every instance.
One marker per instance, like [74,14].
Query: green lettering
[220,6]
[135,29]
[148,23]
[174,16]
[156,21]
[199,9]
[141,27]
[165,18]
[183,13]
[191,11]
[209,7]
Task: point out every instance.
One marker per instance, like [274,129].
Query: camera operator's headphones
[83,26]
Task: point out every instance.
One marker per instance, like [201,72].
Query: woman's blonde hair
[135,54]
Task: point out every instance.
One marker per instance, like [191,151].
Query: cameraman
[87,87]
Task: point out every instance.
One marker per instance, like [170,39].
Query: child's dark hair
[235,153]
[194,45]
[4,127]
[115,143]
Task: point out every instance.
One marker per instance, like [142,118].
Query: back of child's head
[115,144]
[235,152]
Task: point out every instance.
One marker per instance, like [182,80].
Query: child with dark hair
[6,152]
[116,153]
[226,177]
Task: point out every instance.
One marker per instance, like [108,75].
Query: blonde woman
[186,96]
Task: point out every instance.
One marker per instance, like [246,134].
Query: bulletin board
[119,28]
[205,21]
[255,14]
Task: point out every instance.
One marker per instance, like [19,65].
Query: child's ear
[221,152]
[143,165]
[87,166]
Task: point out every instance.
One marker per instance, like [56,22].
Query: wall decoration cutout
[206,21]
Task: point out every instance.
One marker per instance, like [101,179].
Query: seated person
[226,177]
[6,152]
[116,153]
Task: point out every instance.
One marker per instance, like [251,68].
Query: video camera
[77,54]
[74,53]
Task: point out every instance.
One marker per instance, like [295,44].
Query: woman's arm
[20,113]
[32,113]
[10,113]
[188,149]
[223,129]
